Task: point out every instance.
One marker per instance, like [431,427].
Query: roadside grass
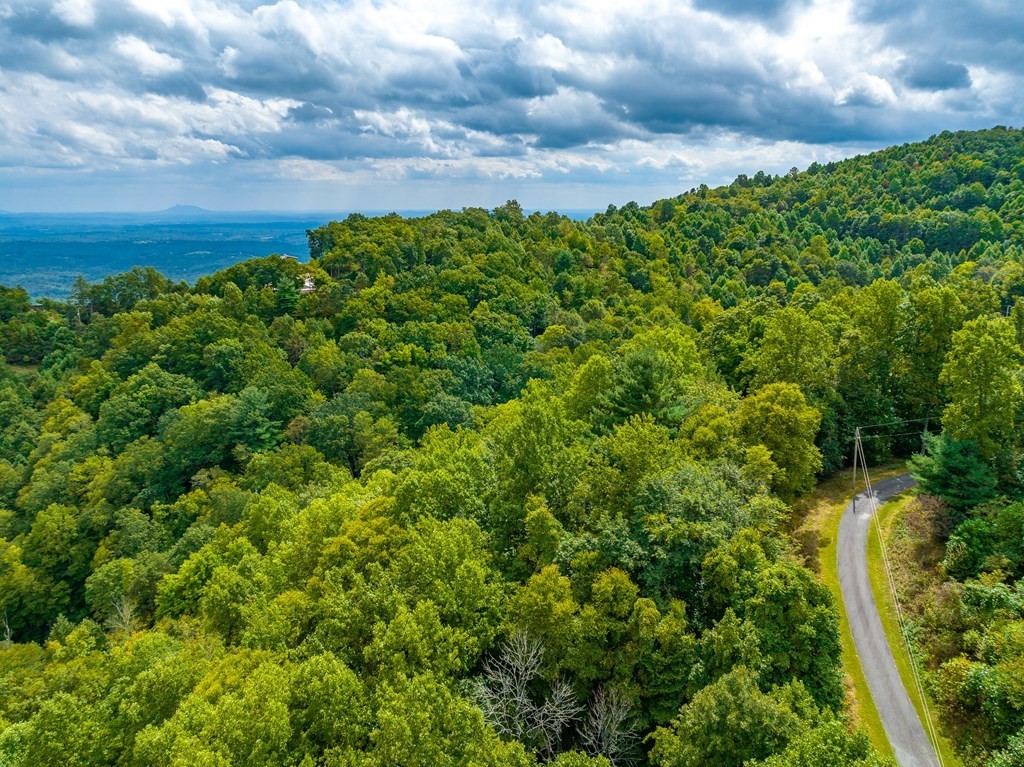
[889,515]
[817,525]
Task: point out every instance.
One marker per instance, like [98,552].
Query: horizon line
[184,210]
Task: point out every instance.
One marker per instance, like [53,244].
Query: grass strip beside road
[889,515]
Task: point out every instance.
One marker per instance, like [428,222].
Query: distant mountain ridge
[184,210]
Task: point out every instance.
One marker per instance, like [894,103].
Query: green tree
[954,471]
[779,418]
[984,392]
[827,745]
[422,723]
[286,296]
[134,407]
[653,376]
[936,313]
[796,349]
[13,301]
[731,722]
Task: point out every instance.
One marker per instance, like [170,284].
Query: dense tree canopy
[505,488]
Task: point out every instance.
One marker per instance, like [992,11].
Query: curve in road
[899,717]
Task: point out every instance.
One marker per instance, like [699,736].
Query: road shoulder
[889,515]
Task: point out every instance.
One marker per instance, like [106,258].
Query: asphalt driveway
[899,717]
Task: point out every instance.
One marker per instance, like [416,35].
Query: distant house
[308,284]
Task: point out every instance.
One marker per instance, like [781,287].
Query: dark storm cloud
[579,122]
[696,98]
[507,74]
[265,72]
[310,113]
[333,141]
[763,10]
[934,75]
[861,97]
[564,119]
[987,33]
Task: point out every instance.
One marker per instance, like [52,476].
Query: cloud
[866,91]
[145,57]
[933,74]
[988,33]
[770,11]
[489,91]
[77,13]
[310,113]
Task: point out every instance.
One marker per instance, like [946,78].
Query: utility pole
[869,494]
[856,455]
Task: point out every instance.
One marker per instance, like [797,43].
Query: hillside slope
[501,488]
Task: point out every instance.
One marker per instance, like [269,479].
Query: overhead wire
[889,436]
[897,421]
[859,457]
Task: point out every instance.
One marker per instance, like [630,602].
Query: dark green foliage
[993,539]
[133,408]
[286,296]
[954,471]
[121,292]
[968,548]
[646,385]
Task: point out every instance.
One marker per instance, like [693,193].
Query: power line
[889,436]
[858,457]
[895,422]
[926,421]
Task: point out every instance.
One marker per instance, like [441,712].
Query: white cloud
[77,13]
[866,90]
[145,57]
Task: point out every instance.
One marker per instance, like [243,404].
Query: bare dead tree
[558,711]
[8,634]
[504,693]
[609,729]
[123,617]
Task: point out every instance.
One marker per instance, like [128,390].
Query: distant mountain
[185,211]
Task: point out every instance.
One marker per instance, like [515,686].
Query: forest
[511,490]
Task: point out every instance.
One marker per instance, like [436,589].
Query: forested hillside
[507,489]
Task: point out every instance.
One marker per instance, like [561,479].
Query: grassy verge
[819,516]
[889,516]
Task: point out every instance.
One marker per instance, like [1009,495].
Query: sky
[425,104]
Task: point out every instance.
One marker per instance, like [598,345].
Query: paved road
[899,717]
